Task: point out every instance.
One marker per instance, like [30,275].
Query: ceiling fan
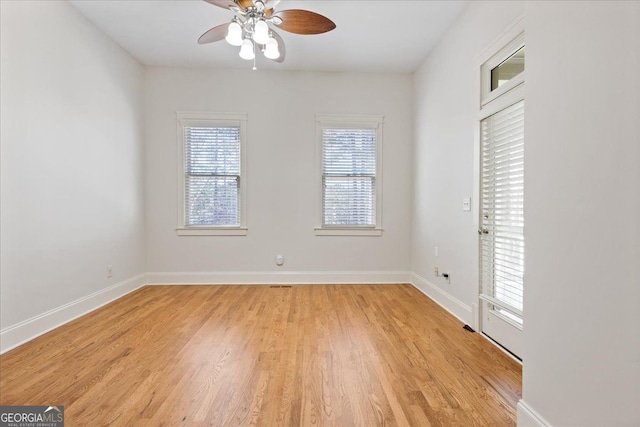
[250,27]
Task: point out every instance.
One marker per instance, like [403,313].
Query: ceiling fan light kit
[246,50]
[271,49]
[261,32]
[234,34]
[250,27]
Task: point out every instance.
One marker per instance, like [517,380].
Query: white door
[501,230]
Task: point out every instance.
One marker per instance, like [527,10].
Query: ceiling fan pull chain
[254,57]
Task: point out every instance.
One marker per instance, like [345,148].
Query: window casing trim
[489,63]
[209,119]
[349,121]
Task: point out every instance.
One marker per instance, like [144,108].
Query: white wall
[281,168]
[72,199]
[446,104]
[582,296]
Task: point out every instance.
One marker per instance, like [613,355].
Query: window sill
[204,231]
[375,232]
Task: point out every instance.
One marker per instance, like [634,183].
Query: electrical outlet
[279,260]
[109,271]
[435,271]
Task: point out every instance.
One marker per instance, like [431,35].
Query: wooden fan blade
[215,34]
[281,47]
[245,3]
[269,6]
[304,22]
[225,4]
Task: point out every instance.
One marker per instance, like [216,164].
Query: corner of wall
[457,308]
[18,334]
[527,417]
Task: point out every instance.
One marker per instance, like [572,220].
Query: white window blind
[502,242]
[212,176]
[349,159]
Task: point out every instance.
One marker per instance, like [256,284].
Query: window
[508,69]
[502,268]
[504,71]
[211,148]
[350,184]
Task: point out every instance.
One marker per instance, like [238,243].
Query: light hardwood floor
[343,355]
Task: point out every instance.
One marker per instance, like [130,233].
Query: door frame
[487,104]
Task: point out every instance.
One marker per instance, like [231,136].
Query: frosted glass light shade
[246,50]
[261,32]
[271,50]
[234,34]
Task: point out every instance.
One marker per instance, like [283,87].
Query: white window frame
[498,58]
[207,119]
[349,121]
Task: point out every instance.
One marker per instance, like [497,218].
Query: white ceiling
[371,36]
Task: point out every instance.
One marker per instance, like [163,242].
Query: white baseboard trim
[527,417]
[279,277]
[444,299]
[18,334]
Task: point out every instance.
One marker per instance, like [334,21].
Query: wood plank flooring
[334,355]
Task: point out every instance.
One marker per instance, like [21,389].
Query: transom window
[508,69]
[504,71]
